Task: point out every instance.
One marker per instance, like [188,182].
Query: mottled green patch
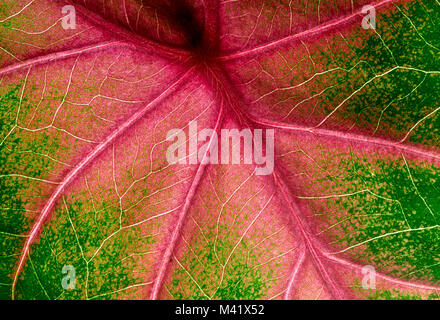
[13,223]
[393,74]
[244,282]
[242,277]
[93,246]
[397,295]
[392,215]
[9,102]
[19,154]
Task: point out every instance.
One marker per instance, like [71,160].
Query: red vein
[307,239]
[348,136]
[301,35]
[242,114]
[188,200]
[294,273]
[116,31]
[124,6]
[45,213]
[62,55]
[385,277]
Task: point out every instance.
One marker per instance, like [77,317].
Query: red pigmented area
[98,101]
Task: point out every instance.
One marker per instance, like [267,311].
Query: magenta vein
[382,276]
[182,214]
[294,273]
[307,239]
[63,55]
[304,34]
[45,213]
[350,137]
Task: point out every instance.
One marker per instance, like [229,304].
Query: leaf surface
[85,180]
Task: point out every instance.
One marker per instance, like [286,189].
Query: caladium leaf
[92,208]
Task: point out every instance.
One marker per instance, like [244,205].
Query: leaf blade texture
[85,182]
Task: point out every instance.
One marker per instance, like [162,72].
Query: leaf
[351,210]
